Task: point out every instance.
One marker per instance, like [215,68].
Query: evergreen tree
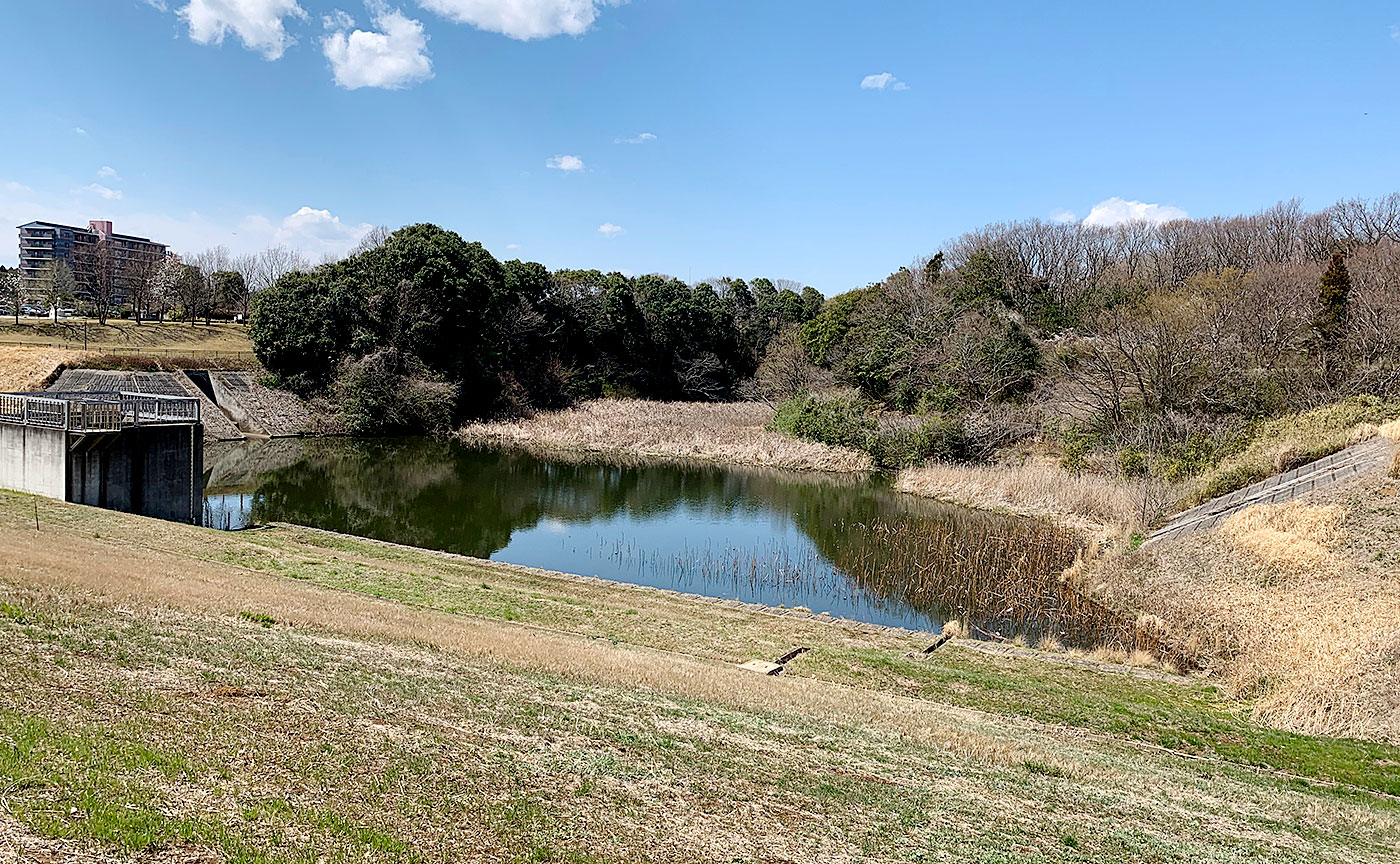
[1333,296]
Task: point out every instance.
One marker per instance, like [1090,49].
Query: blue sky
[249,122]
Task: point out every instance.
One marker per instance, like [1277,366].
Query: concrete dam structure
[135,452]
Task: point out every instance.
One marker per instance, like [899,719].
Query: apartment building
[93,253]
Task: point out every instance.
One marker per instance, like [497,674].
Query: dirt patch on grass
[717,432]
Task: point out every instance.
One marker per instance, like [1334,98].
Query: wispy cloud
[882,81]
[564,163]
[1063,215]
[102,191]
[636,139]
[107,172]
[79,130]
[609,230]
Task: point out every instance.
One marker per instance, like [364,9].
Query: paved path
[1280,488]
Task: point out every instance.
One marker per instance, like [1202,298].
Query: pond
[848,545]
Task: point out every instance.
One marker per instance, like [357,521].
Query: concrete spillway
[136,452]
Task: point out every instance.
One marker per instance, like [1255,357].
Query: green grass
[484,761]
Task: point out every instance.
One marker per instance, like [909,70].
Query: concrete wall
[33,460]
[152,470]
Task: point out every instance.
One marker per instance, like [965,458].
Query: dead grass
[1295,606]
[25,369]
[1287,442]
[1082,500]
[717,432]
[1294,536]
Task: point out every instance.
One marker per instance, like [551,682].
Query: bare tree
[272,264]
[209,263]
[12,283]
[106,277]
[373,239]
[54,285]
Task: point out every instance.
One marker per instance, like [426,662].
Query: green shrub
[840,421]
[385,393]
[1078,445]
[1132,462]
[939,437]
[845,421]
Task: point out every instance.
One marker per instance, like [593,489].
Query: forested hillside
[1161,344]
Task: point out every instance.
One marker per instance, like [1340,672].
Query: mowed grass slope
[119,335]
[287,695]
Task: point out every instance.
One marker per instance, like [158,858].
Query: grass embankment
[1295,607]
[123,336]
[735,432]
[34,351]
[292,695]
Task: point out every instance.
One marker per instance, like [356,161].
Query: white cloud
[102,191]
[882,81]
[1115,211]
[564,163]
[1395,31]
[258,23]
[1063,215]
[393,59]
[339,20]
[316,233]
[107,172]
[13,188]
[80,130]
[609,230]
[157,4]
[512,245]
[523,19]
[636,139]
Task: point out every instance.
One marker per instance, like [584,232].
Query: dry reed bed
[1089,501]
[1295,606]
[716,432]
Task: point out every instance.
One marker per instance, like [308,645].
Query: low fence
[96,412]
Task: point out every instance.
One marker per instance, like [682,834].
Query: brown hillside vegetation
[288,695]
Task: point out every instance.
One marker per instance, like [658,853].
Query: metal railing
[96,412]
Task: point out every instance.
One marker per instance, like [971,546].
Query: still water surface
[813,540]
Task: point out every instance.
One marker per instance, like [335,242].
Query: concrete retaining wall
[151,470]
[33,460]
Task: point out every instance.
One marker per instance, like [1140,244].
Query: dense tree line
[421,329]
